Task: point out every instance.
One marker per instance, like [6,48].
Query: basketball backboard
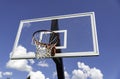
[78,35]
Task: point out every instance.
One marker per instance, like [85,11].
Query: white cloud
[21,65]
[7,73]
[67,76]
[54,75]
[78,74]
[37,75]
[0,74]
[31,61]
[83,67]
[96,74]
[43,64]
[85,72]
[20,50]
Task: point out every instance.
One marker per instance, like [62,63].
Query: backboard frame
[95,51]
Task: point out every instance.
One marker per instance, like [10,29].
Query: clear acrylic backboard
[78,35]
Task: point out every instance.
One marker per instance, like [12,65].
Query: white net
[42,52]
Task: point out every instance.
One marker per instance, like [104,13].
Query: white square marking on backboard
[64,46]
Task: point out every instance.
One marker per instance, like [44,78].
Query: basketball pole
[58,61]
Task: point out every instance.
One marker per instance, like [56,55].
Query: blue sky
[107,22]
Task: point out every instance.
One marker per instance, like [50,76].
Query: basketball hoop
[45,42]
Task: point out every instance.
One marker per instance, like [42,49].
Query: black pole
[58,61]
